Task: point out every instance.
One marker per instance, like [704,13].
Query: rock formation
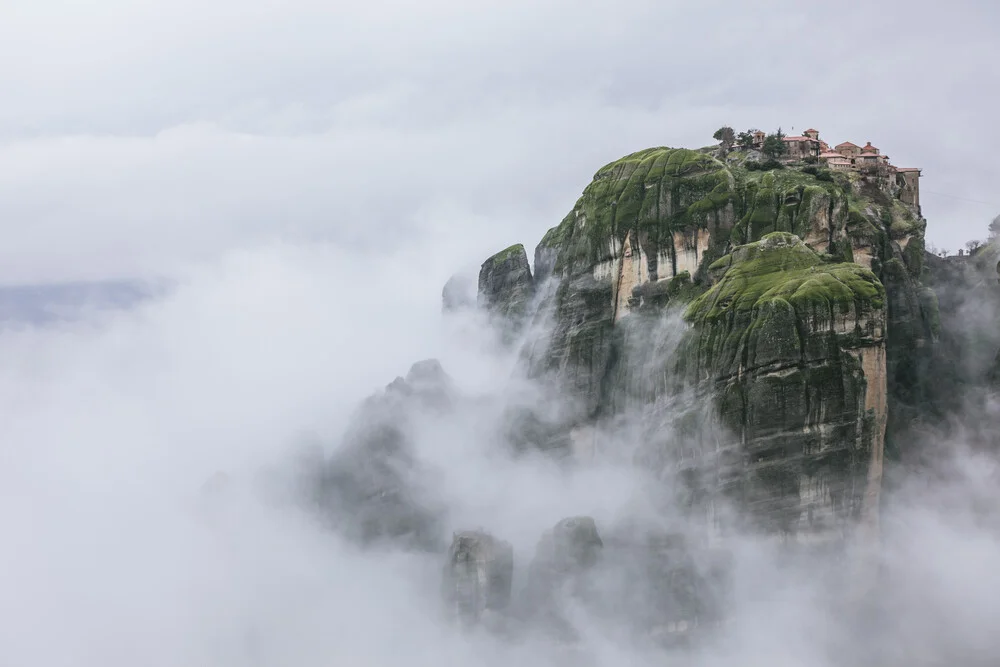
[477,576]
[963,362]
[776,393]
[643,221]
[560,574]
[665,589]
[506,286]
[659,587]
[793,347]
[770,339]
[374,487]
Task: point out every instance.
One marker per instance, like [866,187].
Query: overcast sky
[138,136]
[309,173]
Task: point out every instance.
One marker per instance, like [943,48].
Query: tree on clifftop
[773,145]
[725,136]
[745,139]
[973,245]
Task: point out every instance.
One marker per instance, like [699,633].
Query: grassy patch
[782,268]
[657,191]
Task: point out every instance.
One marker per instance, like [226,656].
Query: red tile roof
[810,130]
[798,139]
[847,144]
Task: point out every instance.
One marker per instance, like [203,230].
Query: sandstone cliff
[792,347]
[765,340]
[779,391]
[506,287]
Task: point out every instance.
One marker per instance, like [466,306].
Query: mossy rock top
[656,191]
[661,192]
[515,252]
[781,267]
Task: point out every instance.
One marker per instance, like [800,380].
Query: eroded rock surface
[663,588]
[477,578]
[792,347]
[506,286]
[779,390]
[375,488]
[643,221]
[560,574]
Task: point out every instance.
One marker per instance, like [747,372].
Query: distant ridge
[49,303]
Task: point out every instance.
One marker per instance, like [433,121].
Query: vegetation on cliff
[782,268]
[506,285]
[803,293]
[657,191]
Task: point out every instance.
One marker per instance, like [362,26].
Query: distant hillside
[45,304]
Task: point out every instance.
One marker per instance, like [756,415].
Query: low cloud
[305,177]
[111,426]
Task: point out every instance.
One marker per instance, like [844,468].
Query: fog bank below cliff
[109,429]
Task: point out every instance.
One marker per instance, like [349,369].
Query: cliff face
[644,221]
[964,362]
[799,349]
[506,287]
[767,345]
[375,489]
[792,347]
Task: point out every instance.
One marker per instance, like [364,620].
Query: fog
[288,186]
[112,425]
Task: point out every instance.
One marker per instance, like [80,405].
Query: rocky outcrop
[959,373]
[860,219]
[657,587]
[644,220]
[477,577]
[668,590]
[792,347]
[506,286]
[374,488]
[779,389]
[758,342]
[561,574]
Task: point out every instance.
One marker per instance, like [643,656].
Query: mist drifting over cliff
[181,482]
[111,427]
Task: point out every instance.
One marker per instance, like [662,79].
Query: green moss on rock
[782,267]
[682,289]
[931,310]
[656,192]
[506,285]
[786,200]
[779,302]
[513,252]
[913,256]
